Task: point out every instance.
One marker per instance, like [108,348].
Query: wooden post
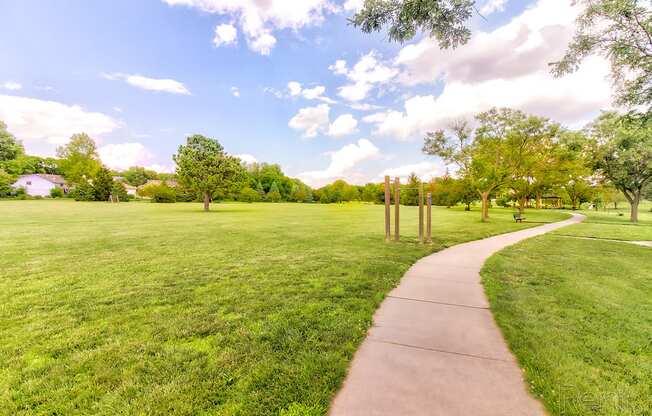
[388,201]
[429,220]
[397,204]
[420,212]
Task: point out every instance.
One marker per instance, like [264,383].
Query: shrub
[163,194]
[83,191]
[20,193]
[249,195]
[56,193]
[5,183]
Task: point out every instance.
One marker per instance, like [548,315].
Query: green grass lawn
[577,313]
[143,308]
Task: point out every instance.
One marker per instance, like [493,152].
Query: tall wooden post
[420,212]
[388,201]
[397,204]
[429,219]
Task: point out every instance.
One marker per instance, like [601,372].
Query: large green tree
[79,160]
[10,148]
[621,31]
[498,153]
[623,154]
[204,168]
[445,20]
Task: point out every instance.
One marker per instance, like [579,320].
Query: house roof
[170,182]
[55,179]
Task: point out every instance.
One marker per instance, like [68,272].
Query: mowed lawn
[251,309]
[577,312]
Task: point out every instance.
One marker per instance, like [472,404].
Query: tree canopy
[623,154]
[445,20]
[10,148]
[204,168]
[79,159]
[621,31]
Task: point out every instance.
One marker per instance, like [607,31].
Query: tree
[10,148]
[79,158]
[137,176]
[248,195]
[624,154]
[118,192]
[274,195]
[410,193]
[260,190]
[103,184]
[621,31]
[445,20]
[488,158]
[204,168]
[444,192]
[6,180]
[648,193]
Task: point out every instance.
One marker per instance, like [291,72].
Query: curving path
[434,348]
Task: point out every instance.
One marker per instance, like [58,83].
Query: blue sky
[139,76]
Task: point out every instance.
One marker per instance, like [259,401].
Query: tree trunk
[538,201]
[521,204]
[207,201]
[485,206]
[633,216]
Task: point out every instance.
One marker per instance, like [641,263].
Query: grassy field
[143,308]
[577,312]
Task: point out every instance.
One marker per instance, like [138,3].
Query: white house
[40,184]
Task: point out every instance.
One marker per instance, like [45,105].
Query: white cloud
[235,91]
[364,106]
[12,86]
[315,93]
[39,121]
[576,97]
[259,19]
[311,119]
[339,67]
[365,74]
[507,67]
[342,163]
[353,5]
[117,109]
[343,125]
[225,34]
[295,88]
[375,118]
[492,6]
[151,84]
[160,168]
[247,158]
[122,156]
[424,170]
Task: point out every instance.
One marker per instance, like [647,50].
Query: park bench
[518,217]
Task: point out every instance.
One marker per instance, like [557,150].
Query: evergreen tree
[102,184]
[274,195]
[118,192]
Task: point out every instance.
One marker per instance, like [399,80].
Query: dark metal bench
[518,217]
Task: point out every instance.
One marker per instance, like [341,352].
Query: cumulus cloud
[316,93]
[152,84]
[353,5]
[424,170]
[367,73]
[259,19]
[225,34]
[492,6]
[247,158]
[12,86]
[122,156]
[37,121]
[343,125]
[311,119]
[507,67]
[342,163]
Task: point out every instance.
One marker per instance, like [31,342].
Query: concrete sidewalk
[434,348]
